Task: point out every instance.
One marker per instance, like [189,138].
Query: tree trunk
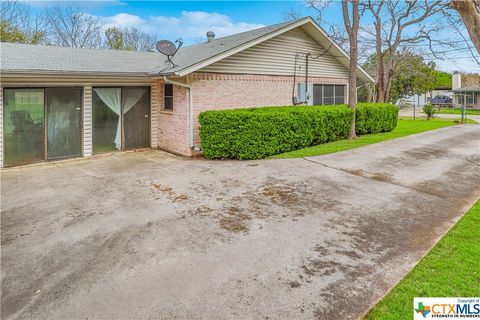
[380,79]
[380,85]
[352,30]
[370,96]
[470,13]
[352,84]
[388,82]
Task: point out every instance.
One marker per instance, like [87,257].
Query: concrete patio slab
[154,236]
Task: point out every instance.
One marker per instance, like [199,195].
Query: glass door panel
[136,114]
[64,114]
[24,137]
[107,125]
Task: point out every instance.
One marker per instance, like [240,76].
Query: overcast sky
[190,20]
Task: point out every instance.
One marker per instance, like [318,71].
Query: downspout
[190,110]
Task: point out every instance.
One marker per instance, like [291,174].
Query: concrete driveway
[408,112]
[152,236]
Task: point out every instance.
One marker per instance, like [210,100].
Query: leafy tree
[412,75]
[114,38]
[443,79]
[131,39]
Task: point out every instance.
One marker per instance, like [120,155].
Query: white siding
[87,121]
[277,57]
[153,116]
[1,127]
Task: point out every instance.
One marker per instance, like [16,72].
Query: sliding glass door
[64,114]
[121,118]
[136,118]
[41,124]
[23,132]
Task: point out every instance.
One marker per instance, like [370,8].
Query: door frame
[122,118]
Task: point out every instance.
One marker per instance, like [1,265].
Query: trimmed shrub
[375,117]
[257,133]
[429,110]
[261,132]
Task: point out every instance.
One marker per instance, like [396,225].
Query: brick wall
[221,91]
[173,124]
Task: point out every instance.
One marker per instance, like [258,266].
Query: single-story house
[61,102]
[468,96]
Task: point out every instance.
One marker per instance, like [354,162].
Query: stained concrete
[149,235]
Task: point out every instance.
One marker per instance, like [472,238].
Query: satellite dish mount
[169,49]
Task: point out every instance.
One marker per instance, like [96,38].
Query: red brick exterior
[220,91]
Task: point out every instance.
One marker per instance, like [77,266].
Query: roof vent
[210,36]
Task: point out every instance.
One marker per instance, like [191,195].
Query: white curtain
[112,97]
[131,97]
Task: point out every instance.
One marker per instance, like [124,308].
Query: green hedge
[261,132]
[375,117]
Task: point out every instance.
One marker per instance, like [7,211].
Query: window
[328,94]
[168,94]
[469,95]
[339,94]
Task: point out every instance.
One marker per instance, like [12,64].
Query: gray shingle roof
[30,58]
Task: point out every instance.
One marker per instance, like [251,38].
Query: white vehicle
[404,103]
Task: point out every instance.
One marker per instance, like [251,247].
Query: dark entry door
[136,117]
[64,116]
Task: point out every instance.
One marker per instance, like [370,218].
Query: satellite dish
[166,47]
[169,48]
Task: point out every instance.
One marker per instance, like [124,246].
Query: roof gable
[193,58]
[282,55]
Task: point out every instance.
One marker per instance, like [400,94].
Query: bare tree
[352,30]
[19,24]
[400,23]
[335,31]
[137,40]
[68,27]
[470,13]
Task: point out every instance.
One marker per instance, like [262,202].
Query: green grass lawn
[405,127]
[450,269]
[459,111]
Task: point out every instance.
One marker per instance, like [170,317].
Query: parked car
[441,100]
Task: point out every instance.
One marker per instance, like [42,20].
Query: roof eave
[83,73]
